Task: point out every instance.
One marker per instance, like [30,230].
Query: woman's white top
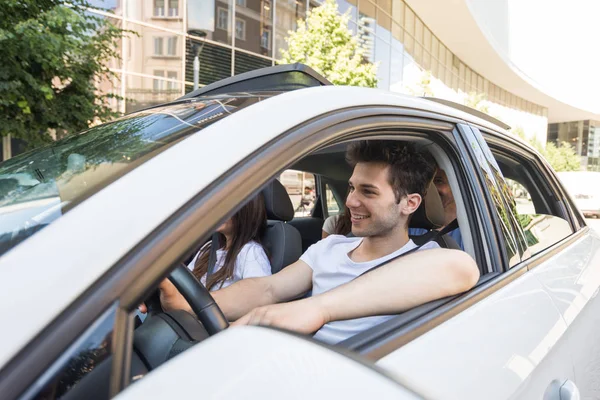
[251,262]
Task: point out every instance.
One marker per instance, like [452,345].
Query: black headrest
[430,214]
[277,201]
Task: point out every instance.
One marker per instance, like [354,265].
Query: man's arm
[247,294]
[402,284]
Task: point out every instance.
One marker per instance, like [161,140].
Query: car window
[333,207]
[39,186]
[490,173]
[301,187]
[522,197]
[90,350]
[543,224]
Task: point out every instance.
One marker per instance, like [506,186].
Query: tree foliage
[54,55]
[324,43]
[562,157]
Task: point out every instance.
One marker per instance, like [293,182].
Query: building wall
[242,35]
[583,136]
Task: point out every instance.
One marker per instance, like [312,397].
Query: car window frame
[542,175]
[137,273]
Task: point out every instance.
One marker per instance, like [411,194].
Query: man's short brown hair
[410,171]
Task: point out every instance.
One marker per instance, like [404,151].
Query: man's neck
[374,247]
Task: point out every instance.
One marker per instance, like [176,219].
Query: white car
[151,187]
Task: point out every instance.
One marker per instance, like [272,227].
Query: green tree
[477,102]
[562,157]
[422,87]
[54,55]
[324,43]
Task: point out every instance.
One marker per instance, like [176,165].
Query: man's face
[372,202]
[441,183]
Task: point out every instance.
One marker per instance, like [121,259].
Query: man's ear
[413,201]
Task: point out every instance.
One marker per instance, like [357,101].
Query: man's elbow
[465,272]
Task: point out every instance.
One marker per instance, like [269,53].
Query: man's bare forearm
[243,296]
[401,285]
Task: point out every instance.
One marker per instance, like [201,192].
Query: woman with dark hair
[339,224]
[241,254]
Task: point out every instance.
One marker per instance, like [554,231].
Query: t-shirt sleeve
[430,245]
[313,252]
[255,263]
[329,225]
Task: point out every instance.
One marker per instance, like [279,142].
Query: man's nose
[352,200]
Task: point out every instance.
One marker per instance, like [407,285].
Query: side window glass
[333,208]
[540,230]
[489,175]
[300,186]
[86,354]
[521,196]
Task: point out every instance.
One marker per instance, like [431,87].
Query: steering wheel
[163,335]
[200,299]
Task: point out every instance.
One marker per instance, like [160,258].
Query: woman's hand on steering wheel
[170,298]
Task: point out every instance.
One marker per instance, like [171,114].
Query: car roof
[59,263]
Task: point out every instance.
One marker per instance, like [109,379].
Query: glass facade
[584,136]
[235,36]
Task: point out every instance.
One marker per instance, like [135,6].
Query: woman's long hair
[343,225]
[249,224]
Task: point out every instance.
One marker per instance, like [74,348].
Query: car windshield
[41,185]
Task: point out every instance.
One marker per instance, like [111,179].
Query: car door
[571,277]
[510,342]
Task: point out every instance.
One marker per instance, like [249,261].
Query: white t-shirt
[329,224]
[251,262]
[333,267]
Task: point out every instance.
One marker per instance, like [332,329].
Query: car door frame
[137,273]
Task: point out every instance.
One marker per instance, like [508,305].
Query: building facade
[235,36]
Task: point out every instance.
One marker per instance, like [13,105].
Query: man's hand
[170,298]
[303,316]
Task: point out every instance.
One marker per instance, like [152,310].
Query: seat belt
[434,235]
[212,257]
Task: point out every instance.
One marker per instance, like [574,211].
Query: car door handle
[562,389]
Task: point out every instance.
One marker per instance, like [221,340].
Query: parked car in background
[138,196]
[584,187]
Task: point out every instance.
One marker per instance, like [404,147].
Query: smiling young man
[388,183]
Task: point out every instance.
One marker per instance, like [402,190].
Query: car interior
[163,335]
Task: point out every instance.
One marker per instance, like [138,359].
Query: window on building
[159,84]
[222,19]
[267,9]
[170,84]
[172,46]
[240,3]
[173,8]
[265,39]
[240,29]
[158,46]
[159,8]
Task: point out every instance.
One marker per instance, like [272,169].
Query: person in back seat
[339,224]
[387,185]
[443,187]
